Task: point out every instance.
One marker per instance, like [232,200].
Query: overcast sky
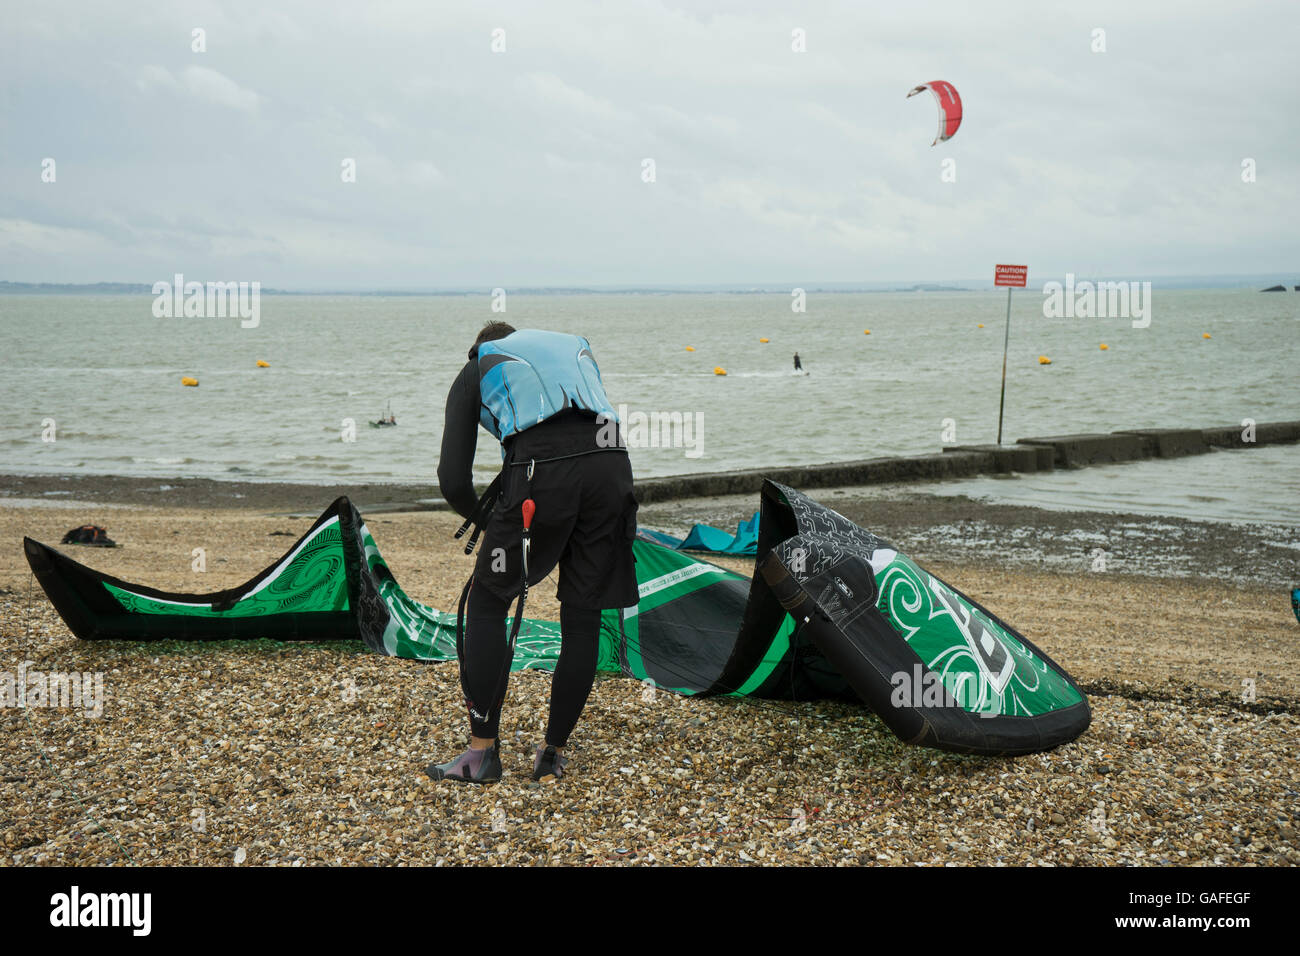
[477,168]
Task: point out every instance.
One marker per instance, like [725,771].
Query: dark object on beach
[1276,288]
[89,534]
[1295,602]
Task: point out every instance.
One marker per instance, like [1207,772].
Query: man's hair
[489,332]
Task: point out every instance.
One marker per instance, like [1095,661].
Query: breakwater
[963,461]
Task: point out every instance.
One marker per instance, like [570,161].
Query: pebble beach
[313,754]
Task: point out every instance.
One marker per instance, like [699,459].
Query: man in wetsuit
[798,366]
[541,395]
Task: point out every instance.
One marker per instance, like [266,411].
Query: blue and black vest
[529,376]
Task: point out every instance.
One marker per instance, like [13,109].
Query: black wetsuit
[585,522]
[798,366]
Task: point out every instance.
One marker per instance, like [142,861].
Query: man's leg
[597,569]
[486,671]
[575,672]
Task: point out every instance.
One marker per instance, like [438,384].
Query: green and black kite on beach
[831,611]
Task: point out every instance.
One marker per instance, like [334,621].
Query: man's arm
[459,438]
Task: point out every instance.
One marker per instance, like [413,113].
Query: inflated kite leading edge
[831,611]
[949,103]
[940,669]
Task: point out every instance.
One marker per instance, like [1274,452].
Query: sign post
[1011,277]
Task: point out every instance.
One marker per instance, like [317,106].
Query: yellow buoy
[189,381]
[765,340]
[1044,360]
[980,326]
[866,331]
[261,364]
[719,370]
[690,348]
[1205,335]
[1103,346]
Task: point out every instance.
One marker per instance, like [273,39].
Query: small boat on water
[389,420]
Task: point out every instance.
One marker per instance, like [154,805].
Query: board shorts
[585,519]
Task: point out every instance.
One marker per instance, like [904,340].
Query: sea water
[92,384]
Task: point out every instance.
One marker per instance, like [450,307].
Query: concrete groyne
[964,461]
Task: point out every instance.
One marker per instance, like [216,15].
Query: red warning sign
[1011,275]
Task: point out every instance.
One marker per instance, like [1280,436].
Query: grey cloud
[478,169]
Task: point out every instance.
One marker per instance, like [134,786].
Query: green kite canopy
[831,611]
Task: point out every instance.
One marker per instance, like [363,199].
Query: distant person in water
[798,366]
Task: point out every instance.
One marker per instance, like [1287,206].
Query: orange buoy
[1103,346]
[690,348]
[261,364]
[980,326]
[719,370]
[764,340]
[866,331]
[189,381]
[1205,335]
[1044,360]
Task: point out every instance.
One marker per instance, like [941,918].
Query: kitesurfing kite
[703,537]
[831,611]
[945,94]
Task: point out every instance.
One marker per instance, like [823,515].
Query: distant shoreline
[1249,283]
[146,289]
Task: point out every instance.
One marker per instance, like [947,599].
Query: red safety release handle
[529,509]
